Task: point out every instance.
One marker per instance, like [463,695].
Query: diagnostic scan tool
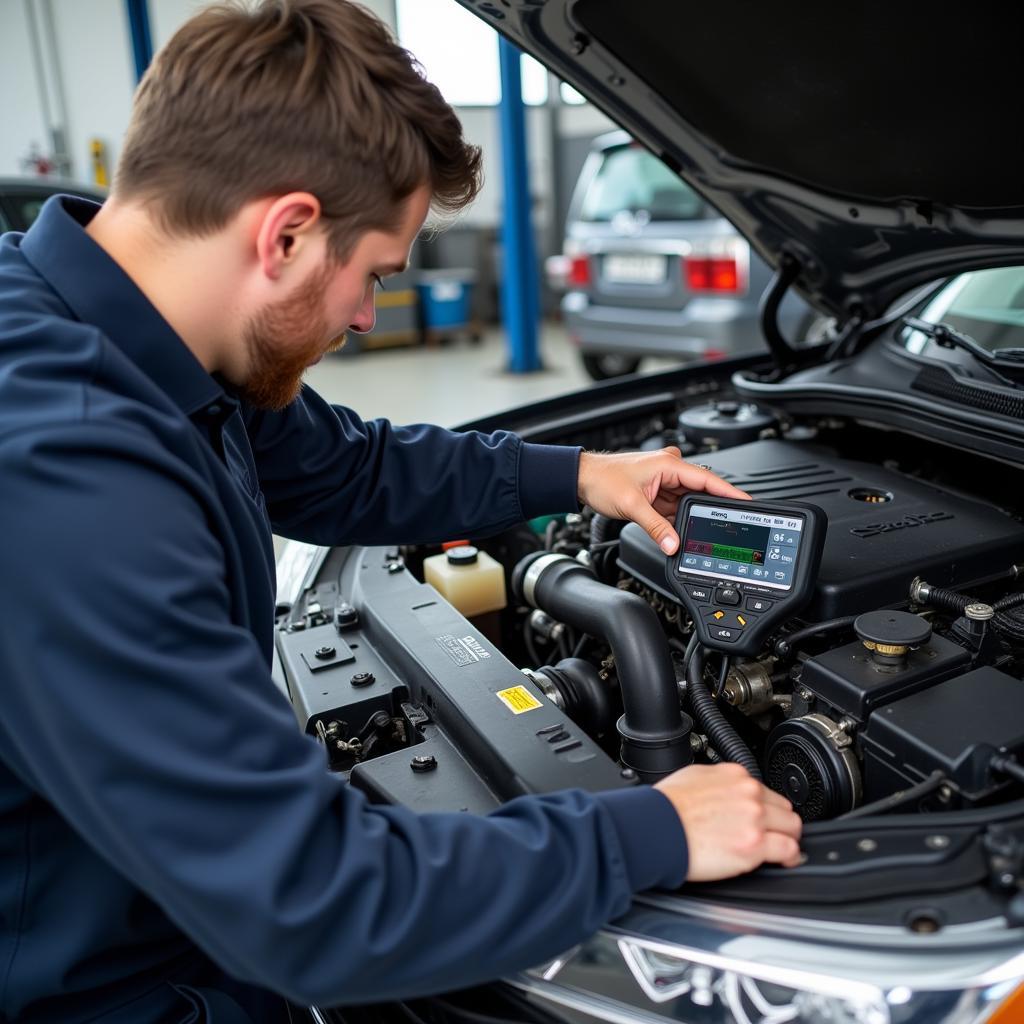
[744,567]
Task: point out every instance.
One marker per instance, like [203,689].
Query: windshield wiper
[1008,360]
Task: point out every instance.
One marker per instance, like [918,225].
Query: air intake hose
[655,733]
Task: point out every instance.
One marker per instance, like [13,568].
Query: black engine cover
[873,549]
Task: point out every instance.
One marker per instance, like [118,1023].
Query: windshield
[987,305]
[634,180]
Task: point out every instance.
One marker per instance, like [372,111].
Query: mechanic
[172,847]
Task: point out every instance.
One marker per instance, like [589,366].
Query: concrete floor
[452,383]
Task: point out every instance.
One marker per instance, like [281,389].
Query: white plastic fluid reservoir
[469,579]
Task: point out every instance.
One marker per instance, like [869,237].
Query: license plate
[635,269]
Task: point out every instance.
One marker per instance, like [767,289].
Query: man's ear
[286,227]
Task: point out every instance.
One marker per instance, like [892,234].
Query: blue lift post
[519,288]
[142,40]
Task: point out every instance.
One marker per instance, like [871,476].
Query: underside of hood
[878,145]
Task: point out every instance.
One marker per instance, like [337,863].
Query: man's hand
[733,823]
[645,487]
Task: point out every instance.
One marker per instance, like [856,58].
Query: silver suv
[651,269]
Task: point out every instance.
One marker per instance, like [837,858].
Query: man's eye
[378,281]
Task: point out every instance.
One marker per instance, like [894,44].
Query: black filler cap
[891,633]
[465,554]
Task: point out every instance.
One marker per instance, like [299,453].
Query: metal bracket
[327,654]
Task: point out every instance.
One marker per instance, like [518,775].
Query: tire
[606,365]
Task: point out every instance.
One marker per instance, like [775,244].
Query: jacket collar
[99,292]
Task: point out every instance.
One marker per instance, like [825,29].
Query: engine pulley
[810,761]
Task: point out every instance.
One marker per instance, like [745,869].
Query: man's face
[285,338]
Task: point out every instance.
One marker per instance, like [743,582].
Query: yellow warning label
[519,699]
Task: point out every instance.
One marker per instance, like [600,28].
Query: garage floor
[450,384]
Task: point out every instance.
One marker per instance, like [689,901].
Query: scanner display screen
[749,547]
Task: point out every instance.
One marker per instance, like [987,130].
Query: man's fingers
[781,849]
[724,489]
[696,478]
[733,823]
[778,819]
[656,525]
[771,797]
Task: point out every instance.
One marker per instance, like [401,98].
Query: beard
[282,340]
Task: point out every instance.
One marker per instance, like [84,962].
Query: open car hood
[873,144]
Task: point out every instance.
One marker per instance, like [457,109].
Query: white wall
[21,114]
[92,58]
[98,68]
[482,127]
[93,44]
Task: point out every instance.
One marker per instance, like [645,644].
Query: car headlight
[722,972]
[752,994]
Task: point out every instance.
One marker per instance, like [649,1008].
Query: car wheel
[609,364]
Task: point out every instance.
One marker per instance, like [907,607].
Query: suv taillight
[712,274]
[579,271]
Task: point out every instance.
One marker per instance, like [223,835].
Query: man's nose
[366,317]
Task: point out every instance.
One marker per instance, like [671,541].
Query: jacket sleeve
[330,478]
[137,708]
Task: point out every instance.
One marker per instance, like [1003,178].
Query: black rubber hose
[787,644]
[948,600]
[712,722]
[655,733]
[604,528]
[951,601]
[901,798]
[1009,625]
[1007,621]
[530,645]
[1008,765]
[549,534]
[1010,601]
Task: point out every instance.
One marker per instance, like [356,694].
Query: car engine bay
[897,692]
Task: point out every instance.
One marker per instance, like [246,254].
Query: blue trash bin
[446,301]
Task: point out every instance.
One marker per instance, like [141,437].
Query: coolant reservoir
[469,579]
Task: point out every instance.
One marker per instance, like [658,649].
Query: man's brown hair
[291,95]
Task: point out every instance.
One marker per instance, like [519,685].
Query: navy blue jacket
[167,834]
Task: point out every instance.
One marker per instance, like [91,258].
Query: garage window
[459,54]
